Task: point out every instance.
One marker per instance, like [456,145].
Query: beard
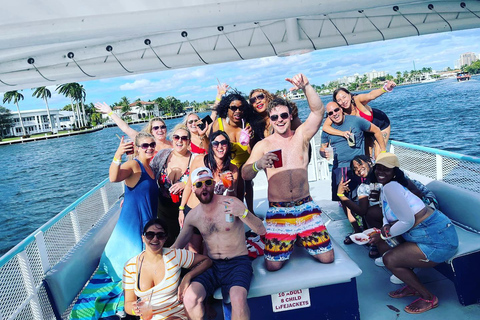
[204,197]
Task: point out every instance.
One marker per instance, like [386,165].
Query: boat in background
[295,95]
[463,76]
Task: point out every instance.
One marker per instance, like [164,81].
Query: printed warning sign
[290,300]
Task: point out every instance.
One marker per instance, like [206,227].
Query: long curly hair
[222,109]
[268,96]
[209,159]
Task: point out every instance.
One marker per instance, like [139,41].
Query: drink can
[392,242]
[229,217]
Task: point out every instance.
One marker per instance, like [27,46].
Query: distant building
[375,74]
[465,59]
[370,76]
[136,112]
[36,121]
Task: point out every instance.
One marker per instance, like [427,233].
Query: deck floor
[374,283]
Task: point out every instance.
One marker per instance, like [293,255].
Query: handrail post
[103,194]
[29,284]
[75,225]
[439,166]
[42,250]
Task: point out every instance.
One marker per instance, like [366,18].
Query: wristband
[117,161]
[110,113]
[254,167]
[133,312]
[381,236]
[245,213]
[384,151]
[340,195]
[230,190]
[181,208]
[218,99]
[385,89]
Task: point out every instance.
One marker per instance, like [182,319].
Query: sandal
[347,239]
[432,304]
[404,291]
[373,253]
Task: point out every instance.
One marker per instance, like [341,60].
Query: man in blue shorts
[220,220]
[345,150]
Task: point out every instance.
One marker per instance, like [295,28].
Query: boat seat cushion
[306,270]
[68,277]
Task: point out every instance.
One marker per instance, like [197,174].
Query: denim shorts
[435,236]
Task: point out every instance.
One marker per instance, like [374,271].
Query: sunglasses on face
[215,144]
[192,121]
[261,96]
[145,146]
[333,111]
[150,234]
[234,109]
[199,184]
[284,116]
[177,137]
[163,127]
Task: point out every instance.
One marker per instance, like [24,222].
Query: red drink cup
[175,197]
[128,140]
[226,182]
[279,162]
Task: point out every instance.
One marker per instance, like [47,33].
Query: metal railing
[22,269]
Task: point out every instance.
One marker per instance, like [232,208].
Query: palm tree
[80,96]
[45,94]
[68,90]
[15,96]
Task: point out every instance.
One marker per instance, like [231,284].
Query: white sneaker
[395,280]
[379,262]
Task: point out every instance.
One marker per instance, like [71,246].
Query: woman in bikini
[156,127]
[199,143]
[356,105]
[154,275]
[172,168]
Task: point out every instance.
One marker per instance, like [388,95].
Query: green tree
[15,96]
[45,94]
[6,121]
[69,91]
[474,68]
[80,96]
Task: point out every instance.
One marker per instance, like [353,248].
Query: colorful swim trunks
[287,221]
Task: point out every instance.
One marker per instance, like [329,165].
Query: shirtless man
[288,189]
[220,221]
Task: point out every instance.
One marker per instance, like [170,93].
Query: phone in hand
[206,120]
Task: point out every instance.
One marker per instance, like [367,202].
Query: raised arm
[257,161]
[374,94]
[317,110]
[118,171]
[104,108]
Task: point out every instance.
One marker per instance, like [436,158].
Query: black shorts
[225,274]
[380,119]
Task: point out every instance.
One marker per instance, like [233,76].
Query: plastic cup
[128,140]
[329,152]
[145,309]
[374,195]
[175,197]
[279,162]
[351,140]
[226,182]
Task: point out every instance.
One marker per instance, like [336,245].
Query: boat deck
[374,283]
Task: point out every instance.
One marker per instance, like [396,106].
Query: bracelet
[254,167]
[245,213]
[230,190]
[340,195]
[218,99]
[133,312]
[181,208]
[384,151]
[110,113]
[385,89]
[381,236]
[117,161]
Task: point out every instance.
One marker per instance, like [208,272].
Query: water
[39,179]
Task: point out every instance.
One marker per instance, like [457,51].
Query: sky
[437,51]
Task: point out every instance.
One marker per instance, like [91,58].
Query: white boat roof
[37,35]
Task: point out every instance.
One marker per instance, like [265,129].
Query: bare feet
[404,291]
[421,305]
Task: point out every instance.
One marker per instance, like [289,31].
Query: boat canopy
[49,42]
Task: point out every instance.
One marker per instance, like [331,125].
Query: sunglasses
[150,234]
[164,127]
[199,184]
[261,96]
[177,137]
[284,116]
[145,146]
[233,108]
[192,121]
[334,111]
[215,144]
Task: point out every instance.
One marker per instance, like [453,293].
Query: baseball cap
[200,173]
[388,160]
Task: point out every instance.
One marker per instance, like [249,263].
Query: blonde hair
[148,127]
[142,135]
[185,118]
[180,126]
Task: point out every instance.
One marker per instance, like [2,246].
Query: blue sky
[199,83]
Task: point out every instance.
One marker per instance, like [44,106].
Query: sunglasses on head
[199,184]
[283,115]
[150,234]
[333,111]
[215,144]
[192,121]
[261,96]
[163,127]
[233,108]
[146,145]
[176,137]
